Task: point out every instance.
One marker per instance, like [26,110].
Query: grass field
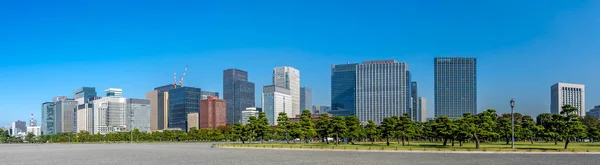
[427,146]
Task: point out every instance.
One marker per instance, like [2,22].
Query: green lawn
[427,146]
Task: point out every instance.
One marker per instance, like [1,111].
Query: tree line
[487,126]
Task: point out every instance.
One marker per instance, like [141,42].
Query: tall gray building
[48,118]
[159,105]
[414,98]
[238,92]
[83,94]
[138,117]
[382,90]
[343,90]
[182,101]
[455,86]
[66,116]
[288,77]
[305,98]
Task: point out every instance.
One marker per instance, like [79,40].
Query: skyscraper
[83,94]
[212,112]
[455,86]
[85,117]
[566,93]
[288,77]
[422,110]
[182,100]
[238,93]
[414,97]
[276,99]
[113,92]
[159,105]
[48,118]
[66,116]
[343,86]
[382,90]
[110,115]
[138,117]
[305,99]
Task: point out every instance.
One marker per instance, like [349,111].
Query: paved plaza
[180,153]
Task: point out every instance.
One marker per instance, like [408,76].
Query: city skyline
[517,52]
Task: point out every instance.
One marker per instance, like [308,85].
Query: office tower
[19,128]
[48,118]
[159,105]
[566,93]
[305,99]
[138,114]
[422,110]
[66,116]
[59,98]
[182,100]
[594,112]
[213,112]
[382,90]
[113,92]
[247,113]
[238,92]
[276,99]
[343,89]
[205,94]
[85,118]
[288,77]
[83,94]
[110,115]
[35,130]
[193,121]
[414,97]
[455,86]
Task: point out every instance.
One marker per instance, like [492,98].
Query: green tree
[30,137]
[593,127]
[283,126]
[529,128]
[570,126]
[444,128]
[262,126]
[308,127]
[464,129]
[338,125]
[404,128]
[355,130]
[371,130]
[387,127]
[297,131]
[252,128]
[240,131]
[484,124]
[323,127]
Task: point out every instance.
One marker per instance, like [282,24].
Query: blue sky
[523,47]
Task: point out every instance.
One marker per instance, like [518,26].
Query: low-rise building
[213,112]
[247,113]
[36,130]
[193,121]
[315,117]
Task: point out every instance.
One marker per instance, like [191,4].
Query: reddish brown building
[212,112]
[314,117]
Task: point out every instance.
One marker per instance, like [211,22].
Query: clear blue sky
[523,47]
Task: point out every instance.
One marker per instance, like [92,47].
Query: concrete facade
[247,113]
[566,93]
[289,78]
[193,121]
[159,106]
[138,111]
[213,112]
[275,100]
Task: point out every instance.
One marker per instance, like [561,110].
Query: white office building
[139,114]
[36,130]
[288,77]
[247,113]
[109,115]
[423,110]
[382,90]
[275,100]
[85,118]
[566,93]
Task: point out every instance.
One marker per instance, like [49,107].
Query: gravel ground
[150,154]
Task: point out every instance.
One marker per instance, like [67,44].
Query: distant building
[59,98]
[247,113]
[423,110]
[138,114]
[566,93]
[18,128]
[182,100]
[110,115]
[289,78]
[159,106]
[193,121]
[321,109]
[414,98]
[66,118]
[36,130]
[213,112]
[238,92]
[48,118]
[305,99]
[343,90]
[205,94]
[275,100]
[113,92]
[82,95]
[85,118]
[382,90]
[594,112]
[315,118]
[455,86]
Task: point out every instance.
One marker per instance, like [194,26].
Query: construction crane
[182,76]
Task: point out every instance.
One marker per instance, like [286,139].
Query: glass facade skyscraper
[455,86]
[138,114]
[48,118]
[182,101]
[238,93]
[414,96]
[382,90]
[305,99]
[343,85]
[84,94]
